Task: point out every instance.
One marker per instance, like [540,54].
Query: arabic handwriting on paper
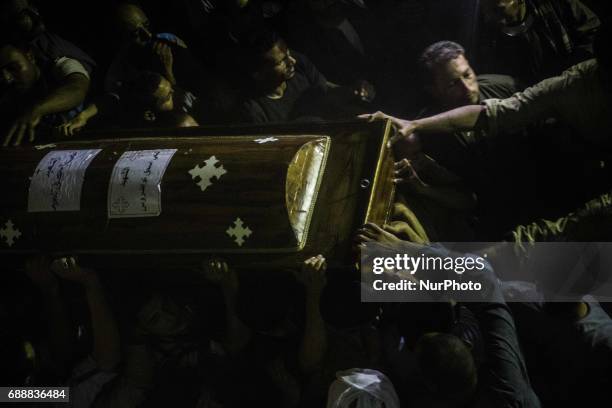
[134,190]
[143,192]
[125,175]
[57,182]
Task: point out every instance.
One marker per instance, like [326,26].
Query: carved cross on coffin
[239,231]
[207,172]
[10,233]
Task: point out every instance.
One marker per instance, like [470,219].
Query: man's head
[153,91]
[504,12]
[447,367]
[18,70]
[19,20]
[269,58]
[133,24]
[450,80]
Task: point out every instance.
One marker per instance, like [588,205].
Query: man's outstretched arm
[460,119]
[68,95]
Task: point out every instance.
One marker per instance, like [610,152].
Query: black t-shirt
[485,165]
[299,100]
[464,153]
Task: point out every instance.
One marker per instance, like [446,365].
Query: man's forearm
[314,342]
[58,327]
[106,347]
[238,334]
[65,97]
[456,120]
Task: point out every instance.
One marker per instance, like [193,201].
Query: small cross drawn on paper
[120,205]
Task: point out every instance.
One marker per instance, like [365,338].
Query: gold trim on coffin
[300,192]
[377,173]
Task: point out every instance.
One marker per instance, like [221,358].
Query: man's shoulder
[497,86]
[51,47]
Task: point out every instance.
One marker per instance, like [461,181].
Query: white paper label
[135,186]
[58,180]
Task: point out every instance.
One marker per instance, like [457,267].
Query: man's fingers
[373,226]
[10,135]
[371,117]
[394,139]
[310,261]
[62,130]
[19,134]
[401,164]
[31,133]
[362,238]
[72,264]
[406,171]
[367,232]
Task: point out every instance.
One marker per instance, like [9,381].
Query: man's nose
[465,86]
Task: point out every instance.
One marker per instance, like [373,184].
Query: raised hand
[218,272]
[74,125]
[371,232]
[405,173]
[67,268]
[164,53]
[24,125]
[364,91]
[312,274]
[404,141]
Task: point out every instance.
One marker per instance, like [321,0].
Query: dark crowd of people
[501,116]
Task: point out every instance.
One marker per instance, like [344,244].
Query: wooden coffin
[270,195]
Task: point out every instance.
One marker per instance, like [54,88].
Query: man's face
[278,65]
[18,71]
[134,24]
[455,84]
[163,96]
[504,12]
